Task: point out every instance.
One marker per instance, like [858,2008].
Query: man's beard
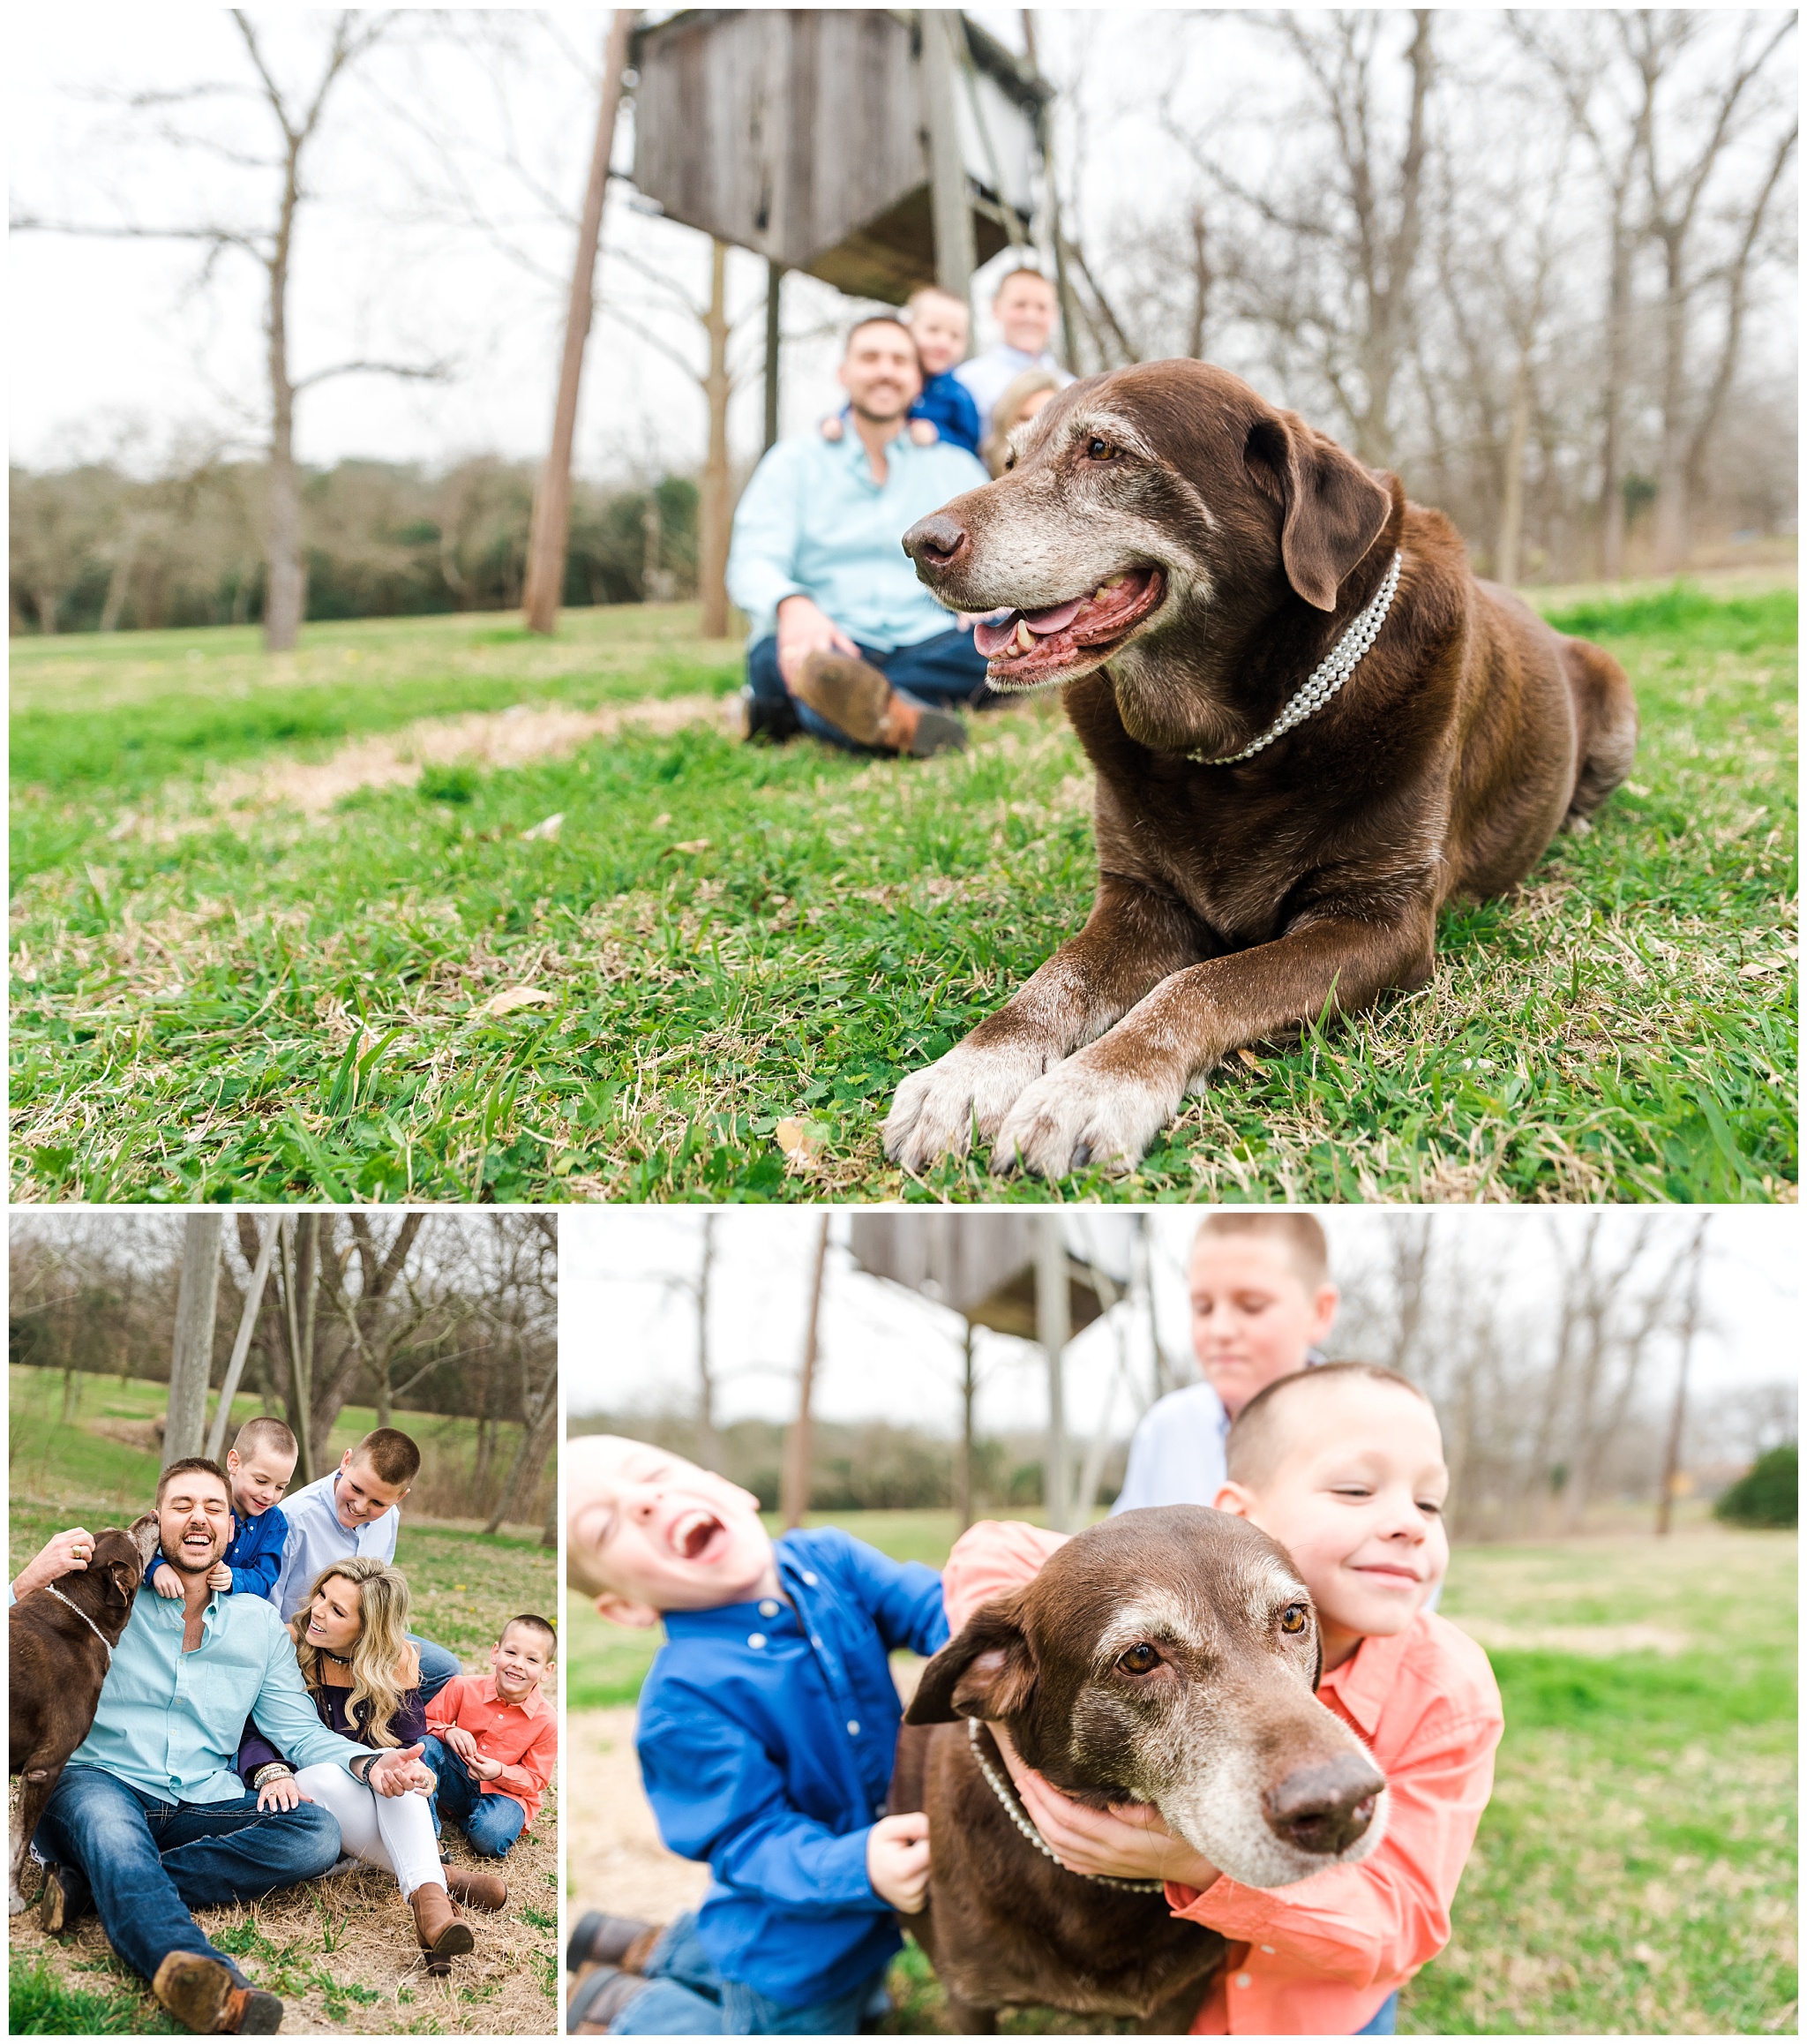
[881,418]
[186,1563]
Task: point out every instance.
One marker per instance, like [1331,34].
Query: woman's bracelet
[272,1770]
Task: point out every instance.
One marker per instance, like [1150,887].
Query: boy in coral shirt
[1344,1466]
[495,1738]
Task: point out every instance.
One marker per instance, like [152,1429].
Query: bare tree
[296,115]
[191,1359]
[794,1500]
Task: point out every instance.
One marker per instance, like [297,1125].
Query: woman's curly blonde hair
[384,1667]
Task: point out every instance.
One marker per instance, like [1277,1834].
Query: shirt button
[853,1726]
[767,1607]
[815,1639]
[756,1639]
[1244,1980]
[809,1578]
[878,1809]
[1269,1950]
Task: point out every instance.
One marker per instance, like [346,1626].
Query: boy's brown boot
[858,700]
[442,1932]
[600,1939]
[203,1996]
[597,1998]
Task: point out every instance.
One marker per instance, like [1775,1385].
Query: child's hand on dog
[896,1861]
[166,1582]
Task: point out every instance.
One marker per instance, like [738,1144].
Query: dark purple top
[409,1725]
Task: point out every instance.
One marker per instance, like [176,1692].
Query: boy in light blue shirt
[846,643]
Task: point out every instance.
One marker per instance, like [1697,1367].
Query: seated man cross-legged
[847,643]
[150,1820]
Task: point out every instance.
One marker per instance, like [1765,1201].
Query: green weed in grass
[215,1006]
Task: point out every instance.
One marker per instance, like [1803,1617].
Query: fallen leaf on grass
[1761,968]
[513,997]
[690,845]
[548,828]
[802,1143]
[1250,1058]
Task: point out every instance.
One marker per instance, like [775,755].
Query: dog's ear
[1333,508]
[143,1532]
[118,1585]
[987,1671]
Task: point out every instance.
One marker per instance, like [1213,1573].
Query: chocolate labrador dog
[1164,1656]
[1311,727]
[60,1644]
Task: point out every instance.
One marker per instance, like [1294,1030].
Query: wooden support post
[716,511]
[943,50]
[775,347]
[240,1347]
[1052,1330]
[793,1500]
[550,533]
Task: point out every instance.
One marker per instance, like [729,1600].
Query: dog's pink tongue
[991,639]
[1044,623]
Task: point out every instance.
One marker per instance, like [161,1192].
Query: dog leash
[1025,1824]
[1330,673]
[85,1618]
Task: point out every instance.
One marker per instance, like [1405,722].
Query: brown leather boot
[442,1932]
[203,1996]
[475,1888]
[857,699]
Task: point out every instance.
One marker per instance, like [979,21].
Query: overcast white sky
[627,1342]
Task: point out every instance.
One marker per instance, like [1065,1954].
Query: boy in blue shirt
[259,1465]
[768,1729]
[939,323]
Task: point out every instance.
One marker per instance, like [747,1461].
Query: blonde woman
[1021,398]
[351,1641]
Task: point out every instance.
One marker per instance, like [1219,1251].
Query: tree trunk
[963,1467]
[1506,562]
[285,576]
[241,1345]
[1691,1321]
[793,1500]
[716,511]
[191,1359]
[536,1444]
[1672,465]
[119,580]
[1612,477]
[775,351]
[551,532]
[1052,1329]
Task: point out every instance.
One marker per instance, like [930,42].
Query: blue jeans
[438,1666]
[688,1998]
[491,1822]
[149,1863]
[1384,2019]
[940,672]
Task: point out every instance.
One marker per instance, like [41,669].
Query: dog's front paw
[936,1108]
[1079,1114]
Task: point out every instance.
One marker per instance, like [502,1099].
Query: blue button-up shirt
[812,523]
[170,1723]
[767,1732]
[315,1538]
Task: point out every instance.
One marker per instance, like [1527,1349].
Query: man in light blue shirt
[150,1818]
[847,642]
[357,1510]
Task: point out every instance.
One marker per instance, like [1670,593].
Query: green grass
[43,2003]
[218,1003]
[1635,1870]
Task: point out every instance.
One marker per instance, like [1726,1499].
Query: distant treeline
[874,1467]
[96,548]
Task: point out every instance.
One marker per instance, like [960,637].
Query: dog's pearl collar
[1022,1823]
[106,1644]
[1332,670]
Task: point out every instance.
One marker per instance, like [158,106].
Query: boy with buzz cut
[767,1731]
[259,1465]
[494,1737]
[357,1510]
[1344,1466]
[1263,1302]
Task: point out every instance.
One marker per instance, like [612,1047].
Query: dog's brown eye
[1140,1660]
[1100,450]
[1292,1618]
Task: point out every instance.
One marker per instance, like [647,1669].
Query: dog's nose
[1326,1807]
[936,541]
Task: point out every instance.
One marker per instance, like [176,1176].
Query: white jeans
[394,1832]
